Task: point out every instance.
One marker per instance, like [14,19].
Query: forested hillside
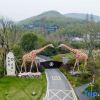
[54,22]
[60,27]
[82,16]
[49,21]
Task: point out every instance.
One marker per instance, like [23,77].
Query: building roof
[43,58]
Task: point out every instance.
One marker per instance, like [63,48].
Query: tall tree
[29,42]
[7,36]
[89,34]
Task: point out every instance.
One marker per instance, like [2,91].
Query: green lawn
[14,88]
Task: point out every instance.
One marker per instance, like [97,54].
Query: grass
[58,57]
[94,89]
[75,81]
[14,88]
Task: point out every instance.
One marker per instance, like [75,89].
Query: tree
[90,31]
[8,34]
[6,31]
[29,42]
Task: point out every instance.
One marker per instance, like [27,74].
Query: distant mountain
[45,15]
[50,21]
[50,15]
[82,16]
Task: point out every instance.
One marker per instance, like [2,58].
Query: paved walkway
[58,87]
[79,91]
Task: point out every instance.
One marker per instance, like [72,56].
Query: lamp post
[93,78]
[92,84]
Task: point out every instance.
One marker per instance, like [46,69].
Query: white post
[10,64]
[65,60]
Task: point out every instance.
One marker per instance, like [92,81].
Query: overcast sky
[21,9]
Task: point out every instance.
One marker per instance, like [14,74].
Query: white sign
[51,64]
[65,60]
[10,64]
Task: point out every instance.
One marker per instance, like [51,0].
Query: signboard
[10,64]
[51,64]
[65,60]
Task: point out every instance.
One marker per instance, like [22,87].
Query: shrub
[1,71]
[97,84]
[18,54]
[17,51]
[77,44]
[29,42]
[58,57]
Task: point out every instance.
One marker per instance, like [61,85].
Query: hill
[82,16]
[46,15]
[50,20]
